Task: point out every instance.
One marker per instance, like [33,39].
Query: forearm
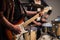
[37,23]
[46,16]
[5,21]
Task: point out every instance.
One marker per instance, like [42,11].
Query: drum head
[45,37]
[47,25]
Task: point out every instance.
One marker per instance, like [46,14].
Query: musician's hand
[38,24]
[44,20]
[16,29]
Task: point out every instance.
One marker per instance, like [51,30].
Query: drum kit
[52,30]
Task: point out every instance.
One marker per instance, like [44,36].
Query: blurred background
[55,4]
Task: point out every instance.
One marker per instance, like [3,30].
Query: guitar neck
[30,20]
[34,17]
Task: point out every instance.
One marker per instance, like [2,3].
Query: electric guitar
[23,24]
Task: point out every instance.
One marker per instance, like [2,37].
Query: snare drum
[47,27]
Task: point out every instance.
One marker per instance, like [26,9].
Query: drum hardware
[56,27]
[41,32]
[53,28]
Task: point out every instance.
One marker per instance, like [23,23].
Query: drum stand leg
[45,30]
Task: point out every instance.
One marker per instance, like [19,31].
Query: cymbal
[57,20]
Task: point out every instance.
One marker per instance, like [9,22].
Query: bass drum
[45,37]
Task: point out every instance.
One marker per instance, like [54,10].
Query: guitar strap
[23,9]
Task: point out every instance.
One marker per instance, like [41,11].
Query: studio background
[55,4]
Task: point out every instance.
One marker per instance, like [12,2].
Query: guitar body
[20,24]
[8,32]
